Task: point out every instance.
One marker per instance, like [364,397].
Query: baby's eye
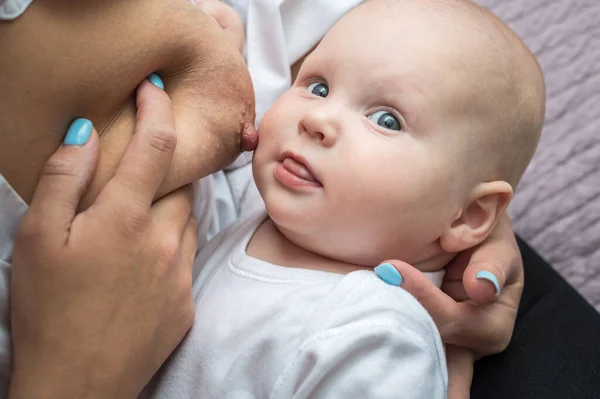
[319,89]
[386,119]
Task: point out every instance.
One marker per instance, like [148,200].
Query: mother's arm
[65,58]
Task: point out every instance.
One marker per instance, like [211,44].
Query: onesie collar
[12,210]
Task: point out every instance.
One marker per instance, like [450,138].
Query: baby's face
[359,161]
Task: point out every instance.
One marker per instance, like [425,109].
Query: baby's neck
[270,245]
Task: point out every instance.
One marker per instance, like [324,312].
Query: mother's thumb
[439,305]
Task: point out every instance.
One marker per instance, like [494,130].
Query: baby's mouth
[298,169]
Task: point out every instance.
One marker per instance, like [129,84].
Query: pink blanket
[557,207]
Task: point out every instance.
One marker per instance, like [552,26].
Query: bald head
[509,94]
[502,93]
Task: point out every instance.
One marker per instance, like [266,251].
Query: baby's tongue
[298,169]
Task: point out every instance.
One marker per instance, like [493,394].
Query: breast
[93,56]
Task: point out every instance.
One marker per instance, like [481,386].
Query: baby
[403,137]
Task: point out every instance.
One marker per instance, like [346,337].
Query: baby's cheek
[262,158]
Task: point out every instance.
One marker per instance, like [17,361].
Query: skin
[124,263]
[464,322]
[403,192]
[446,191]
[477,327]
[152,240]
[227,19]
[204,76]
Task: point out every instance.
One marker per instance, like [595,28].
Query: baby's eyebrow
[388,89]
[395,81]
[315,60]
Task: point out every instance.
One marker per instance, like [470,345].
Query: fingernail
[485,275]
[388,273]
[79,132]
[156,81]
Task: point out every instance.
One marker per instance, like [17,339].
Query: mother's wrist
[40,379]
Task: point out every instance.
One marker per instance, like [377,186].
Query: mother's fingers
[460,371]
[494,265]
[176,231]
[440,306]
[149,154]
[478,276]
[173,210]
[453,279]
[63,181]
[486,329]
[181,286]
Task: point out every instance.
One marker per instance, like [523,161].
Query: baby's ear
[473,224]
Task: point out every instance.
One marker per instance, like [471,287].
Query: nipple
[249,138]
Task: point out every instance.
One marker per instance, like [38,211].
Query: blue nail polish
[485,275]
[79,132]
[156,81]
[388,273]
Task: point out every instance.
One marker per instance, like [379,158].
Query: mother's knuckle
[29,231]
[501,342]
[59,166]
[163,138]
[449,331]
[132,220]
[498,338]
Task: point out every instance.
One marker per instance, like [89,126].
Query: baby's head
[404,135]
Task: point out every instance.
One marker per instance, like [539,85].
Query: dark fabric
[555,349]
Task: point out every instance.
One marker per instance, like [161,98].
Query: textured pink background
[557,206]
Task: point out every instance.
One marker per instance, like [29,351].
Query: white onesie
[268,331]
[11,9]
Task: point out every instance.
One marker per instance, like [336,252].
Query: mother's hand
[477,306]
[101,298]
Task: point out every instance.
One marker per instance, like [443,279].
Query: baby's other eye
[319,89]
[386,119]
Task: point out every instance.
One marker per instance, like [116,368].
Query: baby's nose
[322,125]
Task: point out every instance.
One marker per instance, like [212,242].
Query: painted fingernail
[485,275]
[79,132]
[388,273]
[156,81]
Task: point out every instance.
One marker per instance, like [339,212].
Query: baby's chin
[371,260]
